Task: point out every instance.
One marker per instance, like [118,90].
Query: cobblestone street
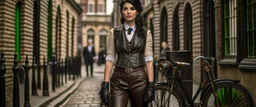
[87,93]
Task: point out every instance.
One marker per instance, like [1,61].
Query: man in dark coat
[165,48]
[89,54]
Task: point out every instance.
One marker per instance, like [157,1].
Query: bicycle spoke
[228,97]
[164,99]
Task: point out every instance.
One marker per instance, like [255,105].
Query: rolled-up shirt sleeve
[148,48]
[110,46]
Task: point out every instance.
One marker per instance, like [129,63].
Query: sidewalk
[87,93]
[92,90]
[60,94]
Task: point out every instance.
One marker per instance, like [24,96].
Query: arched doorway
[188,76]
[175,30]
[49,55]
[58,34]
[163,27]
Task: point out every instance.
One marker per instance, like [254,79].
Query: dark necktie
[129,31]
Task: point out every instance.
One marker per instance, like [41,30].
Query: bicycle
[214,92]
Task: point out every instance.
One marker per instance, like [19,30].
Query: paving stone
[87,93]
[69,105]
[84,105]
[95,105]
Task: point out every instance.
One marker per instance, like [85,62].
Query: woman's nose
[128,11]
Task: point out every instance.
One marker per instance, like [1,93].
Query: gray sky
[109,6]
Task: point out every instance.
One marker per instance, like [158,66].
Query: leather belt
[129,70]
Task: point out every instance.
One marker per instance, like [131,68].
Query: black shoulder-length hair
[138,20]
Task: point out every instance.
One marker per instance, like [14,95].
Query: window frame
[91,7]
[252,29]
[91,35]
[49,31]
[103,38]
[175,30]
[101,7]
[246,63]
[17,29]
[229,41]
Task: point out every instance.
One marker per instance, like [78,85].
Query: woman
[129,49]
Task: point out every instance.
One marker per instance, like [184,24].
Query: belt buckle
[128,70]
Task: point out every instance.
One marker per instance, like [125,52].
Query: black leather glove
[104,92]
[150,93]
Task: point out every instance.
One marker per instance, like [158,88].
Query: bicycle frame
[174,80]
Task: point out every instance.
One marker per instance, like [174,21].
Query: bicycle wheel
[228,95]
[164,99]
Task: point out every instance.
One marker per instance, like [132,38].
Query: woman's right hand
[104,92]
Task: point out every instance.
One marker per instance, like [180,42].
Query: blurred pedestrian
[165,48]
[129,50]
[89,54]
[101,56]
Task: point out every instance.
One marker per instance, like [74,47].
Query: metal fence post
[26,91]
[62,72]
[34,89]
[39,75]
[16,88]
[53,72]
[2,80]
[45,80]
[66,70]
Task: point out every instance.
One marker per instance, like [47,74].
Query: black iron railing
[61,71]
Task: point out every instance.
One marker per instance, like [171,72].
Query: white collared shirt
[89,48]
[126,27]
[111,57]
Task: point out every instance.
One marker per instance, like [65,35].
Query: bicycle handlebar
[207,60]
[182,63]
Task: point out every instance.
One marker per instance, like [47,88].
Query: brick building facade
[37,28]
[96,23]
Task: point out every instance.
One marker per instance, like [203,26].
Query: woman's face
[129,12]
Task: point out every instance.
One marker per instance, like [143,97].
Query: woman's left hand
[150,94]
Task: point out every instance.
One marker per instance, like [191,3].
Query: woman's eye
[124,8]
[132,8]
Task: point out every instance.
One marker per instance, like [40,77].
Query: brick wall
[171,5]
[7,43]
[7,33]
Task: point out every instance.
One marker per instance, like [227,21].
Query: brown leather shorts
[125,86]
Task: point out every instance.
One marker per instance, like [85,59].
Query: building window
[36,39]
[90,35]
[230,27]
[91,7]
[72,31]
[176,32]
[164,23]
[101,7]
[17,30]
[251,27]
[67,38]
[103,38]
[58,34]
[188,28]
[49,30]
